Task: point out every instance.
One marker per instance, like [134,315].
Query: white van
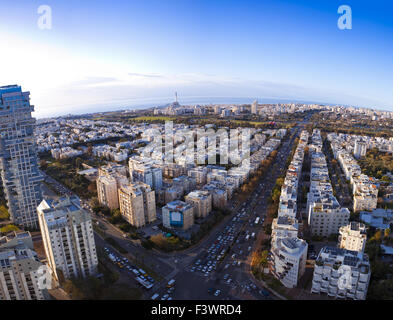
[155,296]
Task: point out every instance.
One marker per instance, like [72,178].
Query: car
[264,292]
[165,296]
[217,293]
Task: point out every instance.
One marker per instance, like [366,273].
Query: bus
[142,272]
[257,220]
[170,283]
[144,283]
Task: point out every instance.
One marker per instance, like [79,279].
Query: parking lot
[139,275]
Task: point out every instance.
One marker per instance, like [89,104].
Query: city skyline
[106,57]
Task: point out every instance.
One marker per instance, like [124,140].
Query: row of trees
[377,164]
[381,283]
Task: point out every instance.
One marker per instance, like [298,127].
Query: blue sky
[102,55]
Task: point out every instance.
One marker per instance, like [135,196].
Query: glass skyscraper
[20,174]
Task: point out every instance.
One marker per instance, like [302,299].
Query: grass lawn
[153,118]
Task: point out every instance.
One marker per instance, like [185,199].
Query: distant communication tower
[176,96]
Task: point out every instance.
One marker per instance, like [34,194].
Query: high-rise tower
[18,156]
[254,107]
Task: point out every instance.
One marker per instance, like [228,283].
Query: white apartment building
[325,215]
[360,149]
[67,234]
[353,237]
[288,260]
[202,202]
[284,227]
[19,265]
[289,190]
[288,253]
[107,192]
[137,204]
[145,173]
[341,273]
[364,188]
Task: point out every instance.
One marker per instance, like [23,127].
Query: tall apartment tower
[137,204]
[360,149]
[107,192]
[68,238]
[18,156]
[19,268]
[254,107]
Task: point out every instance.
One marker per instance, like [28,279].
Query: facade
[112,169]
[18,157]
[67,234]
[199,174]
[288,260]
[360,149]
[107,192]
[284,227]
[178,215]
[219,196]
[353,237]
[185,182]
[341,273]
[19,269]
[202,202]
[137,204]
[146,174]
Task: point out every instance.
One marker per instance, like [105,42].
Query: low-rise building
[353,237]
[178,215]
[341,273]
[202,202]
